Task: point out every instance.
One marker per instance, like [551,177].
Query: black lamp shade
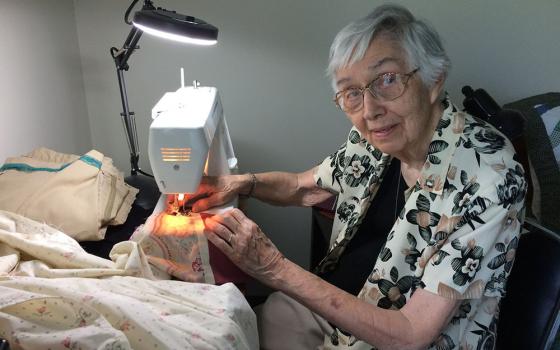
[175,26]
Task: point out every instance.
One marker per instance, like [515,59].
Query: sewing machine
[188,138]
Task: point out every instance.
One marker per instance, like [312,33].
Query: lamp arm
[120,58]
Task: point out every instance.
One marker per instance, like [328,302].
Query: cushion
[544,165]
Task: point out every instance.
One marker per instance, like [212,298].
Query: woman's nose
[372,107]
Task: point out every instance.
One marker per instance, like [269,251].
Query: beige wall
[42,101]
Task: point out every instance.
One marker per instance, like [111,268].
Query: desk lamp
[165,24]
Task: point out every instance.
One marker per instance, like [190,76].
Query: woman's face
[400,127]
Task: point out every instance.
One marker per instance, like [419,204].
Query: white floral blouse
[456,235]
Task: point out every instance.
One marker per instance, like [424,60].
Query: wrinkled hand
[245,244]
[214,191]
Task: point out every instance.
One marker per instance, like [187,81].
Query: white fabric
[175,245]
[66,310]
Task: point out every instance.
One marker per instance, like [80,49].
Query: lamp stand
[121,62]
[149,192]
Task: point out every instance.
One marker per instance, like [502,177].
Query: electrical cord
[128,12]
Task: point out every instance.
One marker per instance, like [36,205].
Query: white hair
[418,39]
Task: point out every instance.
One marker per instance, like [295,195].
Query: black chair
[529,311]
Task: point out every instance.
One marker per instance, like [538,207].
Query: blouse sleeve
[478,255]
[329,174]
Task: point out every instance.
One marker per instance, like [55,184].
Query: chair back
[529,311]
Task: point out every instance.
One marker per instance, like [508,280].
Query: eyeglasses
[385,87]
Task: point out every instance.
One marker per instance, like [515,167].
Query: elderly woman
[428,208]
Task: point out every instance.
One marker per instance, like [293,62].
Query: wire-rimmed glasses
[385,87]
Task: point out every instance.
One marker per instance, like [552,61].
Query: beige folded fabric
[79,195]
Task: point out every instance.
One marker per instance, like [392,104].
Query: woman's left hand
[243,242]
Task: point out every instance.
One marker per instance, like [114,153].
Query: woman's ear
[437,88]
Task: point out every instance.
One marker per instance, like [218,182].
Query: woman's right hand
[214,191]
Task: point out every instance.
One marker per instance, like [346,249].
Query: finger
[244,221]
[229,221]
[205,187]
[238,215]
[207,202]
[220,230]
[219,242]
[200,205]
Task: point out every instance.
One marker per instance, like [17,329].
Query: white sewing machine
[188,138]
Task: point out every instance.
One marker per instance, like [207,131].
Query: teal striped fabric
[28,168]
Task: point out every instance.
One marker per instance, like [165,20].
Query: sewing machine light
[181,199]
[177,154]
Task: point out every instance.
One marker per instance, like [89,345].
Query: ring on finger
[229,239]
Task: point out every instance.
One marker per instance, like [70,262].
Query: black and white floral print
[358,170]
[394,289]
[486,335]
[462,199]
[468,264]
[462,312]
[513,189]
[345,211]
[423,218]
[444,342]
[506,257]
[457,234]
[442,124]
[435,147]
[411,254]
[489,141]
[497,284]
[336,161]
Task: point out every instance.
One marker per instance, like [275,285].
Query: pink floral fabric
[54,295]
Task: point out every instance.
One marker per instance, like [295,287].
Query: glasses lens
[350,100]
[388,86]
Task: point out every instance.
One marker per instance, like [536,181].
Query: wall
[41,88]
[269,67]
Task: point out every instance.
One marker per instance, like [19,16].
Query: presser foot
[178,211]
[178,208]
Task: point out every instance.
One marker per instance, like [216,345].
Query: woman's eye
[388,79]
[352,94]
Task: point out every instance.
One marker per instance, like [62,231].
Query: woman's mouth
[384,131]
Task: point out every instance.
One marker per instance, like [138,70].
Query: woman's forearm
[283,188]
[384,329]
